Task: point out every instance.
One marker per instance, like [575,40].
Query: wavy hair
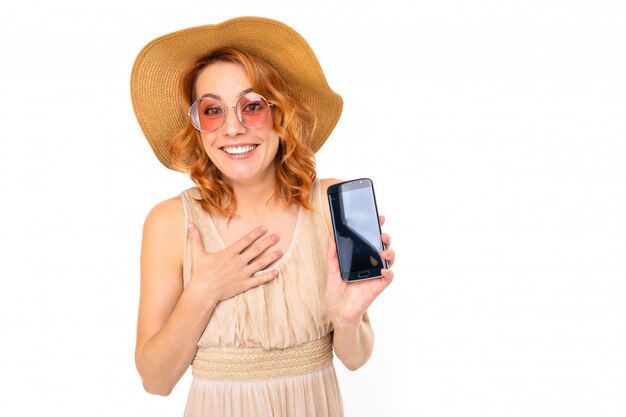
[293,120]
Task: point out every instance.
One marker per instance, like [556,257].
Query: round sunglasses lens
[253,110]
[208,114]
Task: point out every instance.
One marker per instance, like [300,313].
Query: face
[243,154]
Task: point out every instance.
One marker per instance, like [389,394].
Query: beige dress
[268,351]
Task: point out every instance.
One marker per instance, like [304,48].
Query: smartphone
[357,229]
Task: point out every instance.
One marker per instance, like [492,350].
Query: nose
[232,126]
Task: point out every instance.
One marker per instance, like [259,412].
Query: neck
[255,197]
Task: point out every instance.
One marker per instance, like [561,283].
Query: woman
[239,275]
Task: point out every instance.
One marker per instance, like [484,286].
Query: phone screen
[357,229]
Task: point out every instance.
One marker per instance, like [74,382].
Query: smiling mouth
[239,150]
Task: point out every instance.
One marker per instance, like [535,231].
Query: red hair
[293,121]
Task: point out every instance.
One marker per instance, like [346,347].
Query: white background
[494,131]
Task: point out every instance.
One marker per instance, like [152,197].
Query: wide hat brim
[157,70]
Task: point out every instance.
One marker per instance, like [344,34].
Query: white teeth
[238,150]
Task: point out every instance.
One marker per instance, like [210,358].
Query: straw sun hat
[156,73]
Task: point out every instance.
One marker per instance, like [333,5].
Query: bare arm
[171,320]
[353,338]
[347,303]
[354,342]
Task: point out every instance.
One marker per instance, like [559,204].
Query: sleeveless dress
[268,351]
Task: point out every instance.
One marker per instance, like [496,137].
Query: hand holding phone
[356,228]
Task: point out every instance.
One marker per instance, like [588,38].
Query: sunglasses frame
[196,123]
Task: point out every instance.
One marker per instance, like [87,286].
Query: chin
[246,176]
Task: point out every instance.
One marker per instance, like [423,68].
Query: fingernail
[190,227]
[274,237]
[262,229]
[274,273]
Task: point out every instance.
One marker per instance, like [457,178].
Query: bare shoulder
[327,182]
[167,210]
[166,215]
[164,226]
[324,184]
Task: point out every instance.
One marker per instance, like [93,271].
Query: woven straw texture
[255,363]
[157,69]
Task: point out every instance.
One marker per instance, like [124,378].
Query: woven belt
[258,363]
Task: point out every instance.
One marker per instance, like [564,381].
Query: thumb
[194,239]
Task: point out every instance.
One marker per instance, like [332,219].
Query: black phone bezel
[337,189]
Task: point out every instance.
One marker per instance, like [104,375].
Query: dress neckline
[286,255]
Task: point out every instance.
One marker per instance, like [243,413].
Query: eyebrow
[215,96]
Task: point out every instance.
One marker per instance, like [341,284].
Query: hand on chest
[283,224]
